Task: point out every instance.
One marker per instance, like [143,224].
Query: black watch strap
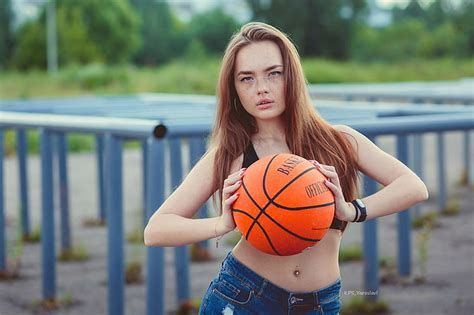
[361,209]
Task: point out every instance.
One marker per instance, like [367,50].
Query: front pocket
[233,295]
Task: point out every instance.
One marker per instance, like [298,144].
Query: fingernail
[239,182]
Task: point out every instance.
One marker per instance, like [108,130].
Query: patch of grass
[73,254]
[94,222]
[360,306]
[34,237]
[135,236]
[351,252]
[133,273]
[386,262]
[452,208]
[429,217]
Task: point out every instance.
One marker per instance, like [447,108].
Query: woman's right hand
[226,222]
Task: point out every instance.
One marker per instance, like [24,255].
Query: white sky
[387,4]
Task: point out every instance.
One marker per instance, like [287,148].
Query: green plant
[429,217]
[78,253]
[452,207]
[133,272]
[352,252]
[358,305]
[423,238]
[34,237]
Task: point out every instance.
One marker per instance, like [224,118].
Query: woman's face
[259,80]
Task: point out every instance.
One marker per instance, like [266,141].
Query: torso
[314,268]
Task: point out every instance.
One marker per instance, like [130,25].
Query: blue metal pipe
[181,252]
[115,257]
[64,192]
[370,245]
[145,178]
[441,172]
[47,217]
[404,230]
[3,262]
[468,158]
[155,263]
[100,144]
[22,168]
[197,146]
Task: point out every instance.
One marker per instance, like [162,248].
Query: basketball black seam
[262,210]
[261,227]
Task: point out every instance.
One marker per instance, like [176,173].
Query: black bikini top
[250,157]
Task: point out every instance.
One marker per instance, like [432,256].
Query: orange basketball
[283,205]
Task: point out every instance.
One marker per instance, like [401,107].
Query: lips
[264,101]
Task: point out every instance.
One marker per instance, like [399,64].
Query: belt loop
[263,286]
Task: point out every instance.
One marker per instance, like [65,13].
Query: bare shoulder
[351,134]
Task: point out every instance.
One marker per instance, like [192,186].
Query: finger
[332,174]
[231,199]
[335,189]
[232,178]
[230,189]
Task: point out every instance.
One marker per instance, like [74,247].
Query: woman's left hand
[344,210]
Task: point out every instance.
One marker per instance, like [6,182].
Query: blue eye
[246,79]
[274,73]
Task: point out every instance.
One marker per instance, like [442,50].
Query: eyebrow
[265,70]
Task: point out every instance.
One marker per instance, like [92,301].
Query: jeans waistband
[261,285]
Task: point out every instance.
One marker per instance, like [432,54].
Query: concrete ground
[81,286]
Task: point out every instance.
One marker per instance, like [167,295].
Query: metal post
[22,168]
[145,179]
[418,163]
[100,144]
[47,217]
[467,158]
[181,252]
[404,230]
[441,173]
[371,262]
[197,149]
[63,192]
[3,263]
[155,264]
[115,257]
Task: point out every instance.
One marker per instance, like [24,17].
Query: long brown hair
[307,133]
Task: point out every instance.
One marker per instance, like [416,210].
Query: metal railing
[155,134]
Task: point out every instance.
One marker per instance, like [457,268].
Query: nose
[262,87]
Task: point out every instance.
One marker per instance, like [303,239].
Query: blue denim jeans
[239,290]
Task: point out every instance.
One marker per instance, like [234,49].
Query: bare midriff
[313,269]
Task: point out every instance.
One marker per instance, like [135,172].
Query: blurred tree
[6,37]
[463,19]
[163,35]
[30,50]
[88,31]
[112,25]
[317,27]
[213,29]
[412,11]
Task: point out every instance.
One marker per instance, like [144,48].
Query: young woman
[264,108]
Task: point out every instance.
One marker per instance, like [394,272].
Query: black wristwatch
[361,210]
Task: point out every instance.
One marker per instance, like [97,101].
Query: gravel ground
[82,285]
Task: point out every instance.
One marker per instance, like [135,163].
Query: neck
[270,130]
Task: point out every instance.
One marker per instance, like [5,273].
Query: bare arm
[172,224]
[403,188]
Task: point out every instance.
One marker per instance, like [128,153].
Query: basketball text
[316,189]
[289,164]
